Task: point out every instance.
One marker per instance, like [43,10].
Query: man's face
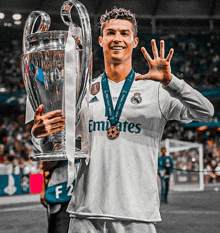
[118,40]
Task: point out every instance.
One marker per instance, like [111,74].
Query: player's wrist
[167,79]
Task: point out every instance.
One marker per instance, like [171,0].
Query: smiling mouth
[117,48]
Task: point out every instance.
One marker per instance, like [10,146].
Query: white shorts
[82,225]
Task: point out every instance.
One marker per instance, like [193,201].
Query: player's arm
[187,103]
[179,101]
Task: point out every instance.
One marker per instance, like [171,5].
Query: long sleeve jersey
[120,180]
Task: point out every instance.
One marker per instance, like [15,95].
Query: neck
[117,72]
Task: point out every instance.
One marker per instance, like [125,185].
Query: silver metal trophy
[56,73]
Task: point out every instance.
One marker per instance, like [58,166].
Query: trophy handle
[30,23]
[86,42]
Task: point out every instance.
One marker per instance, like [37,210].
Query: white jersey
[120,180]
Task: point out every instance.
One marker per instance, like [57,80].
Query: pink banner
[36,183]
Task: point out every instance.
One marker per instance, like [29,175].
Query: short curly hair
[118,13]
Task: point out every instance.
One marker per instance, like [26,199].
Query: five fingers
[155,51]
[158,60]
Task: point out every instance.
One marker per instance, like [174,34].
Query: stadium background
[191,27]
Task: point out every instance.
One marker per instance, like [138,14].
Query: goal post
[188,164]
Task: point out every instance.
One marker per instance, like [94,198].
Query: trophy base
[57,156]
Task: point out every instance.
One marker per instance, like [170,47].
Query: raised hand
[159,67]
[49,123]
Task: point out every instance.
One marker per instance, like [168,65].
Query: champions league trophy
[56,67]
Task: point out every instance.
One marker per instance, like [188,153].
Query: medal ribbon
[114,115]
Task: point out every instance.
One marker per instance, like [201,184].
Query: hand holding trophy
[56,72]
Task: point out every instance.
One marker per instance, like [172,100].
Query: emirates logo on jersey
[136,98]
[124,126]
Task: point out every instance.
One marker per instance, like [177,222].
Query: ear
[100,40]
[136,41]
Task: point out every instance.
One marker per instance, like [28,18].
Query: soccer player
[117,190]
[165,168]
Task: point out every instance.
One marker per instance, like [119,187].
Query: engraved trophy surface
[56,72]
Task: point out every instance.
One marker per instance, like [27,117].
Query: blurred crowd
[196,60]
[10,67]
[16,147]
[212,161]
[188,161]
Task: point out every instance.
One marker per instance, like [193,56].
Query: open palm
[159,67]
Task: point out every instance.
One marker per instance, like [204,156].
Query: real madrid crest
[95,88]
[136,98]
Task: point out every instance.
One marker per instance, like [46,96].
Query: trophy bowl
[56,73]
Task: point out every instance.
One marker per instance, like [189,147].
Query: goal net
[188,164]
